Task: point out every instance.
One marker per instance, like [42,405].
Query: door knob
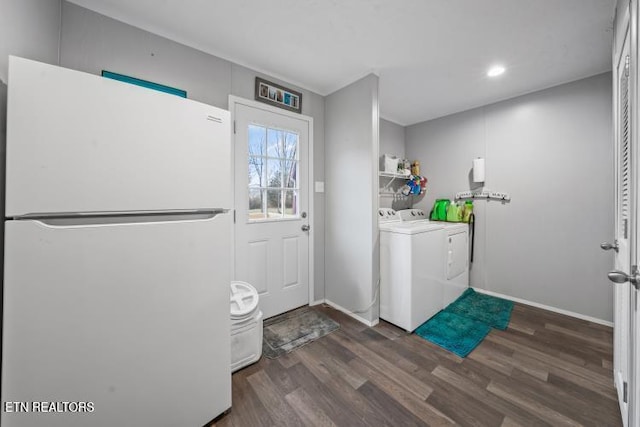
[608,246]
[617,276]
[306,227]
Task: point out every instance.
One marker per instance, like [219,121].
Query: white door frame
[233,102]
[625,44]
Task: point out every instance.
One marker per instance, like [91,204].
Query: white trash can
[246,326]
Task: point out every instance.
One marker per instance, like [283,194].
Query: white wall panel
[551,150]
[351,155]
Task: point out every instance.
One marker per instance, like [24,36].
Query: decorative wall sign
[144,83]
[279,96]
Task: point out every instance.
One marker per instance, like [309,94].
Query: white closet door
[625,227]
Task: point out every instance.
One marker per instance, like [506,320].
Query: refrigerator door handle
[40,215]
[116,218]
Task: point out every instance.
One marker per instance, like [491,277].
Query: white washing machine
[456,251]
[412,268]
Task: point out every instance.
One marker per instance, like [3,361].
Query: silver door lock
[306,227]
[608,246]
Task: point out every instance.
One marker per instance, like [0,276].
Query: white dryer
[456,260]
[412,268]
[457,267]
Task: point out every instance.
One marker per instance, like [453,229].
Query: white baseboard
[349,313]
[547,307]
[317,302]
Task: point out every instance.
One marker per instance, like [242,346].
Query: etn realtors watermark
[48,407]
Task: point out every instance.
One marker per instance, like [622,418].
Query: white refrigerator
[117,254]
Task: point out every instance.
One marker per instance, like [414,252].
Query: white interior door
[271,152]
[625,225]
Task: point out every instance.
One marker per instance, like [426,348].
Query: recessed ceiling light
[495,71]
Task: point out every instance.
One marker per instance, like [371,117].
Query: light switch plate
[319,186]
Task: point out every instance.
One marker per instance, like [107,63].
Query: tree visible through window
[273,173]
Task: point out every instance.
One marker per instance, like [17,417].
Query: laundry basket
[246,326]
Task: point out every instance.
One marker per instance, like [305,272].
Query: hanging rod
[484,194]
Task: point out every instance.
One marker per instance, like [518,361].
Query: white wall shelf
[393,176]
[394,194]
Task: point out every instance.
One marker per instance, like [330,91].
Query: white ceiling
[431,55]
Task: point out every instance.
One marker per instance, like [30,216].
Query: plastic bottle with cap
[415,168]
[454,212]
[468,210]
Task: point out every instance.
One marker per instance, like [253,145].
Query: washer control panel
[387,215]
[412,215]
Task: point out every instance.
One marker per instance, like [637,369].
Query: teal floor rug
[464,323]
[493,311]
[457,334]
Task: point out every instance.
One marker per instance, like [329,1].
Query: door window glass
[273,173]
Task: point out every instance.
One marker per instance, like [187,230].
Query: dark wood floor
[545,369]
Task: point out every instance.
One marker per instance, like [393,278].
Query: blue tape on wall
[144,83]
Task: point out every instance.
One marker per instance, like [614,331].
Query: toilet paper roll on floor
[478,170]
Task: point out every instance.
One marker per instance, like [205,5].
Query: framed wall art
[279,96]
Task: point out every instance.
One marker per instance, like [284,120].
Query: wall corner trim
[547,307]
[352,314]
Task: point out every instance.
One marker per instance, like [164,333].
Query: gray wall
[351,152]
[392,141]
[552,151]
[92,42]
[566,130]
[31,29]
[391,138]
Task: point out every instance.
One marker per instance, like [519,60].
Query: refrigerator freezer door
[132,317]
[78,142]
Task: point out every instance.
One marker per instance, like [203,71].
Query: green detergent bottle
[467,211]
[454,212]
[440,210]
